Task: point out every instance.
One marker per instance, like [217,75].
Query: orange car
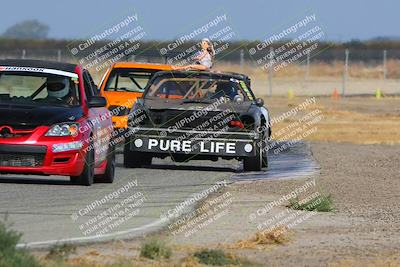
[123,83]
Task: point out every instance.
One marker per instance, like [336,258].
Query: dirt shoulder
[357,148]
[363,181]
[359,169]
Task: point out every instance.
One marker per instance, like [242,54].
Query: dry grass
[344,122]
[185,259]
[345,126]
[123,262]
[189,261]
[262,240]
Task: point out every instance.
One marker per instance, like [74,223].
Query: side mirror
[259,102]
[97,102]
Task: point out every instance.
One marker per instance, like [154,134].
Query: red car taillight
[236,124]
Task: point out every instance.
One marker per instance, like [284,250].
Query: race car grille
[26,128]
[12,131]
[188,119]
[21,155]
[21,160]
[14,135]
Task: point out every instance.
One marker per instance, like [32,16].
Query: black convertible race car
[198,115]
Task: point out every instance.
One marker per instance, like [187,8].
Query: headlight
[64,129]
[67,146]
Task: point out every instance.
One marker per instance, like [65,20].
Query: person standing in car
[204,60]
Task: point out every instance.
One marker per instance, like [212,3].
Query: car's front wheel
[265,153]
[109,173]
[265,159]
[254,163]
[134,159]
[87,175]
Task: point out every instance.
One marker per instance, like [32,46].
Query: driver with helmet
[58,88]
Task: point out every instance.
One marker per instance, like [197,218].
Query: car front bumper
[218,143]
[39,158]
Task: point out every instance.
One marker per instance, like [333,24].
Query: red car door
[101,121]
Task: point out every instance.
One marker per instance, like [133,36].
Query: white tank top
[206,61]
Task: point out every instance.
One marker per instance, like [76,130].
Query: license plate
[212,147]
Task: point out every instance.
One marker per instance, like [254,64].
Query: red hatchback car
[53,122]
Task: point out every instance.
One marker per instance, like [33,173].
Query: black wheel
[146,159]
[74,179]
[265,159]
[265,154]
[87,175]
[129,160]
[134,159]
[254,163]
[108,176]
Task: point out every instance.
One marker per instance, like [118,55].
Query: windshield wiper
[204,101]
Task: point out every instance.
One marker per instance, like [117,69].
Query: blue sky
[340,20]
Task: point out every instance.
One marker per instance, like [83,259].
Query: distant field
[322,79]
[357,70]
[360,120]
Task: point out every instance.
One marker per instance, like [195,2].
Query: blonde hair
[210,48]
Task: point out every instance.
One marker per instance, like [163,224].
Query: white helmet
[57,87]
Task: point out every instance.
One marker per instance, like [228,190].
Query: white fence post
[384,64]
[271,51]
[345,72]
[241,59]
[308,66]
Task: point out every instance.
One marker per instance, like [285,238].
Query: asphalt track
[50,210]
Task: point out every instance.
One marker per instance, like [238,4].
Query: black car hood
[177,105]
[37,115]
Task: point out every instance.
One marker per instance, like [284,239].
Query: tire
[134,159]
[265,155]
[129,160]
[74,179]
[253,163]
[265,159]
[146,159]
[87,175]
[109,173]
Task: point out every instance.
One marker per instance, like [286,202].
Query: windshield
[128,80]
[197,89]
[38,89]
